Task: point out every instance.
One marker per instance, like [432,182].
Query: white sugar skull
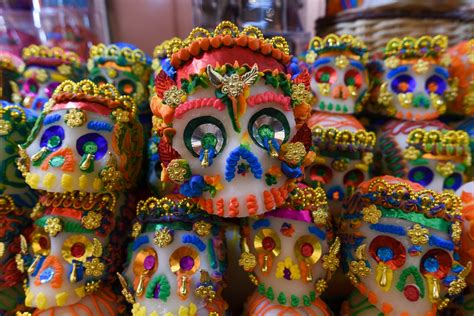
[413,82]
[289,256]
[399,246]
[225,131]
[428,153]
[343,155]
[339,79]
[45,69]
[83,141]
[177,260]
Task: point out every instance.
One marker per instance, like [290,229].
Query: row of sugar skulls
[82,156]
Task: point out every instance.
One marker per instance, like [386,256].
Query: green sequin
[57,161]
[90,147]
[54,141]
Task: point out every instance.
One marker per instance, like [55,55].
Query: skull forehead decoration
[400,244]
[66,256]
[290,253]
[87,138]
[343,153]
[45,69]
[125,67]
[428,153]
[413,82]
[177,260]
[462,69]
[339,79]
[226,118]
[10,68]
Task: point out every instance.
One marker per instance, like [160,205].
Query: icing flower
[94,267]
[411,153]
[247,261]
[418,235]
[92,220]
[194,187]
[174,96]
[445,169]
[371,214]
[53,226]
[287,270]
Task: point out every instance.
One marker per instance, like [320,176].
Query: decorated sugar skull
[87,138]
[428,153]
[15,201]
[177,260]
[125,67]
[413,81]
[10,68]
[399,244]
[290,255]
[462,70]
[344,152]
[45,69]
[226,119]
[339,79]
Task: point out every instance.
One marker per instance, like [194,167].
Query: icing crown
[410,47]
[440,142]
[132,56]
[34,53]
[334,43]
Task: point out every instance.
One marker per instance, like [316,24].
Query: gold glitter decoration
[411,153]
[320,286]
[422,47]
[54,226]
[41,75]
[114,51]
[392,62]
[340,164]
[371,214]
[110,175]
[385,98]
[344,138]
[341,44]
[121,116]
[421,66]
[178,170]
[445,169]
[74,118]
[163,237]
[92,220]
[331,260]
[232,85]
[456,232]
[125,292]
[205,290]
[94,267]
[324,89]
[97,248]
[418,235]
[70,242]
[299,94]
[341,62]
[136,229]
[92,286]
[293,153]
[37,51]
[174,96]
[248,261]
[65,70]
[202,228]
[310,57]
[458,285]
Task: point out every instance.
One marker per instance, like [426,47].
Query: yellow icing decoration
[138,310]
[41,301]
[83,182]
[169,314]
[61,298]
[153,313]
[66,182]
[49,180]
[32,180]
[97,184]
[29,299]
[80,291]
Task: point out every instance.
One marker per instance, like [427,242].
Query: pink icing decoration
[197,104]
[269,97]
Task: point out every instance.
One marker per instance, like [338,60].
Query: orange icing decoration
[252,205]
[233,207]
[52,261]
[220,207]
[69,161]
[268,200]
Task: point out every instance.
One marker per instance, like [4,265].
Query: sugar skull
[413,81]
[428,153]
[177,260]
[15,200]
[45,69]
[10,68]
[125,67]
[290,255]
[343,153]
[462,70]
[225,120]
[339,79]
[87,139]
[400,244]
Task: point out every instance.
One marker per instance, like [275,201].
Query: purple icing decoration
[156,293]
[50,132]
[287,274]
[186,263]
[149,262]
[98,139]
[50,88]
[406,79]
[287,213]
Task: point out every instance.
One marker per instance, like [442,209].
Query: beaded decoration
[346,44]
[54,56]
[462,69]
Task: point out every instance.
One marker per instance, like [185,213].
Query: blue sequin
[47,275]
[385,253]
[431,264]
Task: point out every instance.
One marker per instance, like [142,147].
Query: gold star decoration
[92,220]
[341,62]
[94,267]
[202,228]
[74,118]
[320,286]
[371,214]
[136,229]
[300,94]
[53,226]
[163,237]
[247,261]
[411,153]
[418,235]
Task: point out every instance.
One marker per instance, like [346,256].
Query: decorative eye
[99,80]
[326,74]
[40,243]
[185,260]
[437,263]
[76,247]
[52,138]
[126,86]
[353,178]
[267,241]
[49,89]
[267,125]
[435,84]
[422,175]
[146,262]
[92,144]
[387,250]
[308,249]
[203,133]
[403,84]
[31,86]
[320,173]
[353,77]
[453,182]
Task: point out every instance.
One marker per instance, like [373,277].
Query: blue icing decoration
[99,126]
[317,232]
[50,119]
[47,275]
[431,264]
[392,229]
[264,222]
[436,241]
[194,187]
[291,172]
[140,240]
[191,239]
[385,253]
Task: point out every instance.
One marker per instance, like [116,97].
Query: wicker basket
[376,28]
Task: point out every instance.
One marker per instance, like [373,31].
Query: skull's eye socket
[126,86]
[49,89]
[387,250]
[422,175]
[326,74]
[76,248]
[146,262]
[308,249]
[184,260]
[436,262]
[31,86]
[353,178]
[435,84]
[92,143]
[268,124]
[320,173]
[99,80]
[353,78]
[453,182]
[40,243]
[267,242]
[204,133]
[403,84]
[52,138]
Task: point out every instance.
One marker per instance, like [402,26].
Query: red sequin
[307,250]
[353,78]
[78,250]
[437,259]
[326,74]
[268,243]
[43,242]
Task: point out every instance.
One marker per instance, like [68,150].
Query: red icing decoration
[85,106]
[307,250]
[303,135]
[411,292]
[268,243]
[162,83]
[270,97]
[303,77]
[167,153]
[43,242]
[78,250]
[197,104]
